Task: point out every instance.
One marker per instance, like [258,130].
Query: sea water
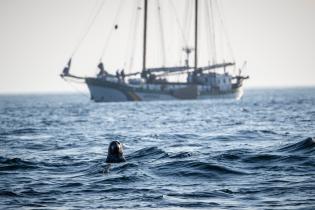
[253,153]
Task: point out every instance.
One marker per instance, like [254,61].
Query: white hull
[106,94]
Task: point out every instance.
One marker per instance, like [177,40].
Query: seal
[115,153]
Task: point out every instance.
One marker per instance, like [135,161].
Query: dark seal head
[115,153]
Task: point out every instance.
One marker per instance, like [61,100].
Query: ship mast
[144,73]
[196,35]
[145,35]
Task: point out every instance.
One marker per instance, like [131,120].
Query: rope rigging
[92,18]
[114,27]
[207,29]
[221,17]
[188,19]
[211,10]
[89,26]
[134,26]
[70,81]
[184,39]
[211,7]
[161,32]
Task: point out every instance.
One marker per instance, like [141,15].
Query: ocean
[253,153]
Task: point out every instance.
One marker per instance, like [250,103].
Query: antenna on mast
[187,50]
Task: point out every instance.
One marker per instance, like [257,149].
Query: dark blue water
[256,153]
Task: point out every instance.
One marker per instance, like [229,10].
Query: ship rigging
[154,83]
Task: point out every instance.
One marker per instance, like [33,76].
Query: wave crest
[9,164]
[149,152]
[195,169]
[306,145]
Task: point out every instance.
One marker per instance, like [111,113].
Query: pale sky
[275,37]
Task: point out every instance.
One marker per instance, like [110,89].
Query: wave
[306,145]
[181,155]
[71,184]
[253,133]
[228,157]
[9,164]
[118,178]
[202,194]
[179,137]
[119,168]
[149,152]
[5,193]
[21,131]
[193,204]
[154,153]
[262,158]
[193,168]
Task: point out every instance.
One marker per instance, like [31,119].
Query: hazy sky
[275,37]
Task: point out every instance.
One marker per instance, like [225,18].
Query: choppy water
[225,154]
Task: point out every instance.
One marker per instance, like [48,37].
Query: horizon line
[53,92]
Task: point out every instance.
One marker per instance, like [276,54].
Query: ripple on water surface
[256,153]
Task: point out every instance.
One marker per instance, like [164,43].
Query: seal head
[115,153]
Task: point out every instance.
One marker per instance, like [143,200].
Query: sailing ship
[152,83]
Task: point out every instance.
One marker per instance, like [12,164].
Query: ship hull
[105,91]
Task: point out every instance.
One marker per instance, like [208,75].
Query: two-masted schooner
[152,83]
